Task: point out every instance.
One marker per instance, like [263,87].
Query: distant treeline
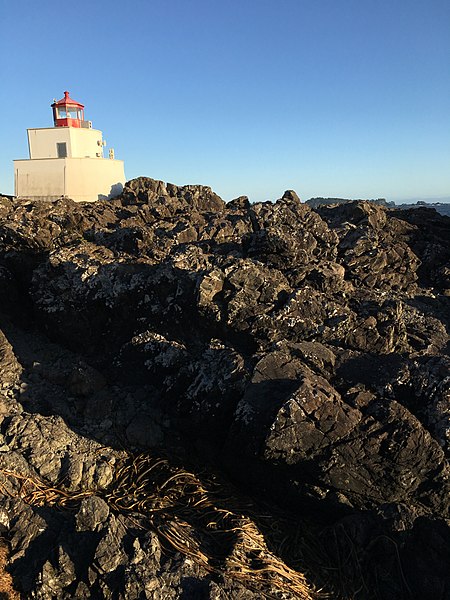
[441,207]
[314,202]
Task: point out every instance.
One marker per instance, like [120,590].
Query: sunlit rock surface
[302,352]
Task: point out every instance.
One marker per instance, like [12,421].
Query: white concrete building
[67,160]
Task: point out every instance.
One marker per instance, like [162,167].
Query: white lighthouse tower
[67,159]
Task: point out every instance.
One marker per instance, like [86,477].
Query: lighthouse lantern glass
[70,112]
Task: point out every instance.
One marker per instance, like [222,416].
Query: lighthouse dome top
[67,100]
[68,112]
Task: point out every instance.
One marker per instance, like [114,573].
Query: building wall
[86,142]
[80,142]
[94,179]
[37,178]
[82,179]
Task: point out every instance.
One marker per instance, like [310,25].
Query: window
[69,112]
[72,113]
[61,149]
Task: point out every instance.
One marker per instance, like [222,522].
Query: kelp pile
[197,515]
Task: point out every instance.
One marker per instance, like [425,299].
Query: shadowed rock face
[306,352]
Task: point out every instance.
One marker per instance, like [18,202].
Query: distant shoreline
[442,208]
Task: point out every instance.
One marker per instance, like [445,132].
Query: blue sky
[347,98]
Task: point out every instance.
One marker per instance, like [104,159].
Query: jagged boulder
[168,199]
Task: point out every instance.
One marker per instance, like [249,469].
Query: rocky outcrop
[304,352]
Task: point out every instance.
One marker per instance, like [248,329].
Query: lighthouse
[67,160]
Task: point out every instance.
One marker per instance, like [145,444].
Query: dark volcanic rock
[305,351]
[367,450]
[167,199]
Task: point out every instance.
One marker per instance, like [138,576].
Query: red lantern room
[68,112]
